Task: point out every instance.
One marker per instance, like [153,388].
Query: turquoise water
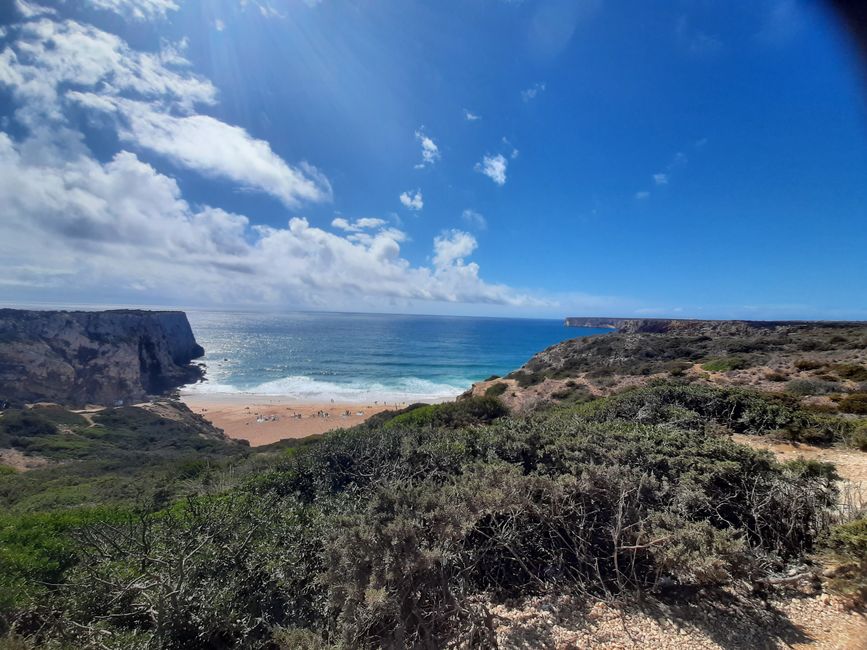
[314,356]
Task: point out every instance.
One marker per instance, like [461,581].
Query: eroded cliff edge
[98,357]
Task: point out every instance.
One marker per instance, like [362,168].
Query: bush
[848,544]
[809,364]
[805,387]
[26,423]
[461,413]
[725,365]
[854,403]
[495,390]
[851,371]
[395,535]
[857,438]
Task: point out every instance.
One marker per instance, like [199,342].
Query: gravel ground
[719,619]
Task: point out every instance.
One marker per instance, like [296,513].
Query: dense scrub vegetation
[401,532]
[125,455]
[802,345]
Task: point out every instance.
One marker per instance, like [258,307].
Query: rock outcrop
[79,357]
[678,325]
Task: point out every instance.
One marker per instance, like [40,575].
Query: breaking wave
[305,388]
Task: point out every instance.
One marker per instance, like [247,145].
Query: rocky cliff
[94,357]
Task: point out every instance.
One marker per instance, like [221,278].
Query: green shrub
[495,390]
[526,379]
[35,550]
[805,387]
[725,365]
[809,364]
[851,371]
[460,413]
[395,533]
[854,403]
[848,544]
[26,423]
[857,437]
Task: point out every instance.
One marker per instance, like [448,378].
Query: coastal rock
[680,325]
[94,357]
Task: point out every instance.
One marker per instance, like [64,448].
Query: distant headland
[91,357]
[664,325]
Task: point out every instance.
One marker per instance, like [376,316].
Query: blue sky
[539,158]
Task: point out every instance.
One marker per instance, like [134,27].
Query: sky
[482,157]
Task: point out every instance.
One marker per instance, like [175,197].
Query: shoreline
[265,419]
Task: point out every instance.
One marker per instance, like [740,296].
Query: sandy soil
[851,463]
[720,621]
[262,420]
[17,460]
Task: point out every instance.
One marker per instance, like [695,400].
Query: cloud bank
[78,225]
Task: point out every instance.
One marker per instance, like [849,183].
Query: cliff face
[94,357]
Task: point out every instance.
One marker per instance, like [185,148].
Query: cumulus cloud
[530,93]
[452,247]
[136,9]
[117,227]
[151,98]
[470,116]
[359,225]
[214,148]
[412,200]
[430,152]
[124,225]
[660,179]
[474,219]
[494,167]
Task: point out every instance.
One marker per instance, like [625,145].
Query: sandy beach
[263,419]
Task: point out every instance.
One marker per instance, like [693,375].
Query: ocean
[364,357]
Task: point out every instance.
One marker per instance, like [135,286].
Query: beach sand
[263,419]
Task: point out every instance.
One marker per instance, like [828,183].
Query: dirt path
[851,464]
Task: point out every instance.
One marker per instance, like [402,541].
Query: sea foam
[408,389]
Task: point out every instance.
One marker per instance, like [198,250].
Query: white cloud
[219,25]
[494,167]
[660,179]
[514,154]
[123,226]
[530,93]
[474,219]
[430,152]
[365,223]
[642,195]
[452,247]
[216,149]
[31,9]
[412,200]
[136,9]
[121,229]
[471,117]
[47,57]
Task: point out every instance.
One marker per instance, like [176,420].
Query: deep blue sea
[349,357]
